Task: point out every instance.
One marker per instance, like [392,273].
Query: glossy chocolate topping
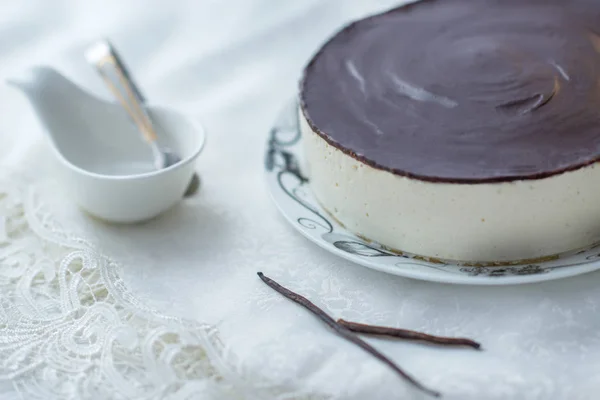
[463,90]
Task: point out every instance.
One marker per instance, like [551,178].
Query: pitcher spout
[49,91]
[30,80]
[63,107]
[45,84]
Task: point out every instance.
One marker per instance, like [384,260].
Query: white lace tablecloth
[172,308]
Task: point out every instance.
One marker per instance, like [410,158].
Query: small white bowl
[102,189]
[102,158]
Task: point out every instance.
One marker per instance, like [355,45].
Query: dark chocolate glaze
[463,91]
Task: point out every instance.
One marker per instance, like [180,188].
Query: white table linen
[233,64]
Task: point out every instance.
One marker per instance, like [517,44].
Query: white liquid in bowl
[122,168]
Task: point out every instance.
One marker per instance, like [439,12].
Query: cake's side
[485,222]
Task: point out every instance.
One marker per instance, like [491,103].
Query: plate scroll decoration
[289,185]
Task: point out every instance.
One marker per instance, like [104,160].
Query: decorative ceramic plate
[290,189]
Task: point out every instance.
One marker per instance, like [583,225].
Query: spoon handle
[118,81]
[121,66]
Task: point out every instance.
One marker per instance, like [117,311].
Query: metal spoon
[105,58]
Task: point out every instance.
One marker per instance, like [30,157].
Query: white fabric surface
[233,64]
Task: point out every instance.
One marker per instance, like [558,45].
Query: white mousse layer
[486,222]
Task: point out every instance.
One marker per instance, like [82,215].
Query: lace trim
[70,328]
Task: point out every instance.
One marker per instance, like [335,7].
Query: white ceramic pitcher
[105,164]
